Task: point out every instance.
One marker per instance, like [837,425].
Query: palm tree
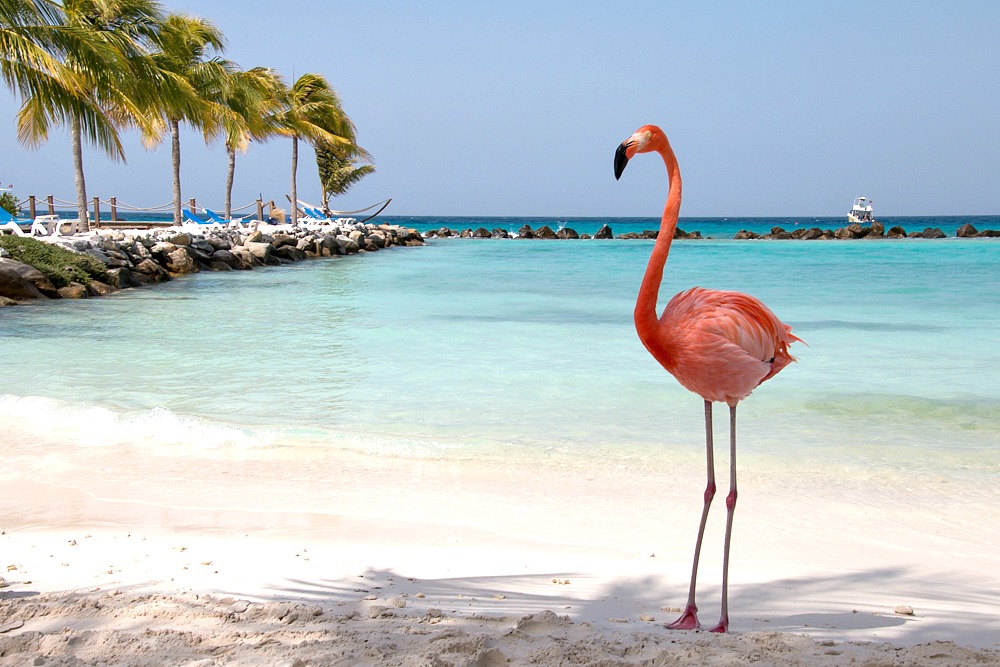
[183,55]
[100,47]
[27,40]
[338,169]
[249,103]
[313,112]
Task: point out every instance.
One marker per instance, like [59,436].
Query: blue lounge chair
[215,217]
[193,219]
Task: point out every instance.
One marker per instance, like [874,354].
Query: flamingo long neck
[645,306]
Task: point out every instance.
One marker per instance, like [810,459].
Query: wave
[90,425]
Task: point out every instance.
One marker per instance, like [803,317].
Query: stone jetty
[853,231]
[109,260]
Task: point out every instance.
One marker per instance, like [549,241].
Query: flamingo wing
[725,343]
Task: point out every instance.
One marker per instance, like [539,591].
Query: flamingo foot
[722,627]
[687,621]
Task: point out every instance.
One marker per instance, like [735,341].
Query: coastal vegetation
[61,266]
[101,67]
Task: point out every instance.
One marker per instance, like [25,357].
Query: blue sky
[516,108]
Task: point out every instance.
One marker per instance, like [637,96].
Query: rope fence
[33,204]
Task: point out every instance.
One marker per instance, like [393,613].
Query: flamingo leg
[689,618]
[723,625]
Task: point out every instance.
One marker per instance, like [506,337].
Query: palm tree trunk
[175,158]
[229,183]
[83,225]
[295,166]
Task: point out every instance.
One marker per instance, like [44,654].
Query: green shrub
[9,202]
[59,265]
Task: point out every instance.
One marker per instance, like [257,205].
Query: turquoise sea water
[481,349]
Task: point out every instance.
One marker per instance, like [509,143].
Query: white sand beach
[117,557]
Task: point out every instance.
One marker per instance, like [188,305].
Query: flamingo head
[642,140]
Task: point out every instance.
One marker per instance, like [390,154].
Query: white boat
[861,212]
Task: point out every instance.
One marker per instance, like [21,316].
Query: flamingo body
[720,345]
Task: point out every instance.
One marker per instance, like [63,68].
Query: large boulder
[122,278]
[260,250]
[74,291]
[481,233]
[896,232]
[13,282]
[148,271]
[347,245]
[567,233]
[745,234]
[526,232]
[29,274]
[545,232]
[180,261]
[966,231]
[604,233]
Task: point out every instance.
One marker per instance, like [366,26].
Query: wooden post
[191,206]
[97,212]
[260,209]
[114,209]
[52,206]
[31,206]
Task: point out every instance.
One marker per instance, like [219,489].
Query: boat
[861,212]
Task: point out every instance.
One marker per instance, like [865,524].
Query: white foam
[90,425]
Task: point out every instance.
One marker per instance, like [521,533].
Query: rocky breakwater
[106,261]
[856,231]
[546,232]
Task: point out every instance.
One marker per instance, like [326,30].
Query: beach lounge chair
[8,221]
[192,219]
[235,223]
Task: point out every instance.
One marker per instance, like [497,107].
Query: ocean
[477,351]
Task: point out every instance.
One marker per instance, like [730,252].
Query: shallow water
[477,350]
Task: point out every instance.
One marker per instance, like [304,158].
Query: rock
[4,301]
[842,233]
[896,232]
[228,258]
[500,234]
[743,234]
[261,251]
[13,285]
[877,228]
[290,253]
[283,240]
[933,233]
[966,231]
[989,233]
[73,291]
[150,272]
[97,288]
[526,232]
[346,245]
[481,233]
[122,278]
[903,610]
[809,234]
[181,238]
[545,232]
[29,274]
[603,233]
[180,261]
[567,233]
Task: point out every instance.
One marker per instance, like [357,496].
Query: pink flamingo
[720,345]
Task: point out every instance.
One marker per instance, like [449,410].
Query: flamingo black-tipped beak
[621,159]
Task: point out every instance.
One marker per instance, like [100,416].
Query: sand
[120,556]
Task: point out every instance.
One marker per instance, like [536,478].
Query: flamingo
[720,345]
